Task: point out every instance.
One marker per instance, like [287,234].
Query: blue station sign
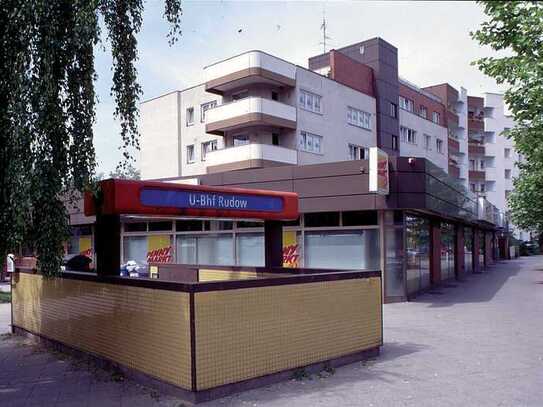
[210,200]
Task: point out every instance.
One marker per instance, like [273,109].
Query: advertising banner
[378,181]
[159,249]
[290,250]
[85,246]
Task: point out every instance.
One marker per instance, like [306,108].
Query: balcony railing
[249,68]
[252,111]
[250,156]
[476,148]
[476,175]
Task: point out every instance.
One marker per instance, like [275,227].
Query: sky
[433,41]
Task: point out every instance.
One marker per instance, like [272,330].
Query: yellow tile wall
[218,275]
[142,328]
[246,333]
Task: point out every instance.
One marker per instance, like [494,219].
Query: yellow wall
[246,333]
[144,329]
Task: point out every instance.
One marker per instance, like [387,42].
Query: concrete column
[459,258]
[476,247]
[435,251]
[107,244]
[273,244]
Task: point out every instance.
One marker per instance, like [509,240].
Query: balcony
[246,69]
[476,175]
[490,174]
[476,149]
[250,156]
[454,170]
[476,124]
[252,111]
[454,146]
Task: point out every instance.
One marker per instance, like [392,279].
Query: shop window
[186,250]
[160,226]
[359,218]
[275,139]
[394,257]
[247,224]
[250,249]
[417,241]
[218,225]
[321,219]
[216,250]
[135,249]
[135,227]
[357,249]
[291,222]
[447,251]
[468,250]
[188,225]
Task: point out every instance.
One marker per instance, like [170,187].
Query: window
[436,117]
[358,118]
[190,116]
[507,174]
[205,107]
[275,95]
[310,101]
[427,142]
[408,135]
[423,112]
[240,95]
[439,145]
[240,140]
[395,143]
[482,164]
[358,152]
[507,152]
[472,187]
[207,147]
[190,154]
[311,143]
[393,110]
[472,165]
[275,139]
[481,187]
[406,104]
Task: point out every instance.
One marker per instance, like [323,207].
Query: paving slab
[477,343]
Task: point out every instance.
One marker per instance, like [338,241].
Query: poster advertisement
[159,249]
[85,246]
[378,181]
[290,250]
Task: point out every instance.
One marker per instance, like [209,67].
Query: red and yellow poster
[85,246]
[290,249]
[159,249]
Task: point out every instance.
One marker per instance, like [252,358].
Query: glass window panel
[342,250]
[160,226]
[188,225]
[359,218]
[216,250]
[135,249]
[418,253]
[186,250]
[320,219]
[250,249]
[394,275]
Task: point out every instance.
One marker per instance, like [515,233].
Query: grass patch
[5,297]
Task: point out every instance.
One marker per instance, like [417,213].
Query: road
[473,343]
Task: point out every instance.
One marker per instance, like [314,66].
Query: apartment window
[395,143]
[275,95]
[427,142]
[240,140]
[358,152]
[472,165]
[207,147]
[408,135]
[439,146]
[190,116]
[507,152]
[205,107]
[190,154]
[436,117]
[275,139]
[311,143]
[240,95]
[423,112]
[406,104]
[310,101]
[482,188]
[358,118]
[393,110]
[507,174]
[472,188]
[482,164]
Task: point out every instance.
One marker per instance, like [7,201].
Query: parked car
[529,248]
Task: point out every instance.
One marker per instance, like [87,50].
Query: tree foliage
[516,30]
[47,109]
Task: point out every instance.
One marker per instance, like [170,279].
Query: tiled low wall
[141,328]
[205,336]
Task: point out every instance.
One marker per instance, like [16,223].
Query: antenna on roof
[324,25]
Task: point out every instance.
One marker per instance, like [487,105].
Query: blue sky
[432,39]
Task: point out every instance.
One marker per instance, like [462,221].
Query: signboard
[378,181]
[210,200]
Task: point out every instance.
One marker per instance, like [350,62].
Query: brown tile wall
[420,99]
[351,73]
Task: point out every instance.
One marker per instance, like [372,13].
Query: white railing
[246,152]
[490,174]
[251,105]
[251,59]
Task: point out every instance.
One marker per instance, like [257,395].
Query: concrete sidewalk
[473,343]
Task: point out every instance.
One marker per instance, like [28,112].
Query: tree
[47,109]
[516,30]
[129,172]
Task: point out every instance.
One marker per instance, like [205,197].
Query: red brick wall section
[351,73]
[419,99]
